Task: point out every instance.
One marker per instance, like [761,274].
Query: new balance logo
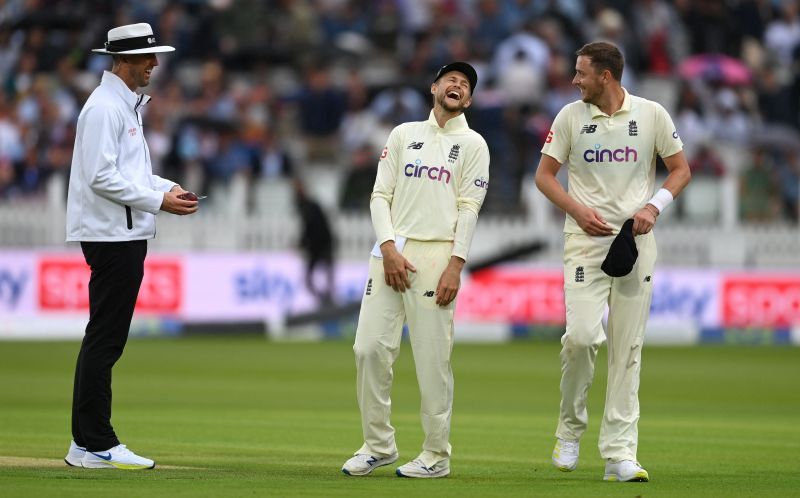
[579,274]
[428,293]
[647,278]
[633,130]
[415,145]
[369,288]
[588,129]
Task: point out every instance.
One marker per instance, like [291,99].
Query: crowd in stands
[274,89]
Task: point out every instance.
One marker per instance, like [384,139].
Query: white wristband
[662,199]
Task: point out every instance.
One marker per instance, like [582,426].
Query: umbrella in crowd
[716,68]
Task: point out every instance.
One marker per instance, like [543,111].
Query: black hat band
[126,44]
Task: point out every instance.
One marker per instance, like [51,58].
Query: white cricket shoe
[625,471]
[119,457]
[417,468]
[362,464]
[74,455]
[565,454]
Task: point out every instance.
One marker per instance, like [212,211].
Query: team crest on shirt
[633,130]
[453,156]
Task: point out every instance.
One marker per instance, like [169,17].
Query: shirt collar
[453,124]
[626,106]
[116,85]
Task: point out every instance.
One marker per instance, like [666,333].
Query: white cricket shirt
[611,159]
[428,175]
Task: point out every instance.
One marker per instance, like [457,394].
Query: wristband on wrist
[661,200]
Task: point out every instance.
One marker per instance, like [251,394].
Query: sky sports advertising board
[44,294]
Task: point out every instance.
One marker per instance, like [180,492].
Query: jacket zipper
[144,147]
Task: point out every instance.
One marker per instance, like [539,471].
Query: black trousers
[117,272]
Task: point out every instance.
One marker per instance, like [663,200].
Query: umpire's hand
[172,204]
[395,267]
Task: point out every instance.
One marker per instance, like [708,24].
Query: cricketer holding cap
[432,178]
[112,204]
[609,140]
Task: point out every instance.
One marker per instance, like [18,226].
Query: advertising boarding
[45,294]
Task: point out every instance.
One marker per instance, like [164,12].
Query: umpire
[112,204]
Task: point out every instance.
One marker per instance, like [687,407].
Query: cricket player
[432,178]
[610,140]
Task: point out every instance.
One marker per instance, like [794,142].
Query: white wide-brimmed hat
[132,39]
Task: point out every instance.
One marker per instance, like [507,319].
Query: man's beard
[589,96]
[450,108]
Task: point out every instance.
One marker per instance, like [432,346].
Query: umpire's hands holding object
[395,267]
[173,204]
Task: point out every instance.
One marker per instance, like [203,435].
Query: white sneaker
[74,455]
[625,471]
[119,457]
[565,454]
[417,468]
[362,464]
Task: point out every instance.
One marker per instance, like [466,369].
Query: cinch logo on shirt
[600,155]
[436,173]
[482,183]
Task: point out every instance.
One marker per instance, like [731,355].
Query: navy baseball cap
[622,254]
[461,67]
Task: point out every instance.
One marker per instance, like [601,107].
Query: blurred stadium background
[263,97]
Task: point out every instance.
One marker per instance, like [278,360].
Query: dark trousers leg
[117,272]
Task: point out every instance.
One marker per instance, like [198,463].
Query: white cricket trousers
[377,344]
[587,291]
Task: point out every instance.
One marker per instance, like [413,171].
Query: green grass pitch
[249,417]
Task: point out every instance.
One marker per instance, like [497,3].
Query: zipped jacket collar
[115,84]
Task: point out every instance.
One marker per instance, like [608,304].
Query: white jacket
[113,194]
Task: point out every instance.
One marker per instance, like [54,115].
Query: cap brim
[148,50]
[463,68]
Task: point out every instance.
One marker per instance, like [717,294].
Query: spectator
[758,190]
[535,51]
[317,244]
[321,108]
[398,104]
[8,185]
[706,162]
[788,171]
[359,180]
[783,33]
[727,120]
[275,161]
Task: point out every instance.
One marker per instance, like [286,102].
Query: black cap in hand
[622,254]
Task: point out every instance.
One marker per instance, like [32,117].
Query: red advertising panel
[520,295]
[64,285]
[760,300]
